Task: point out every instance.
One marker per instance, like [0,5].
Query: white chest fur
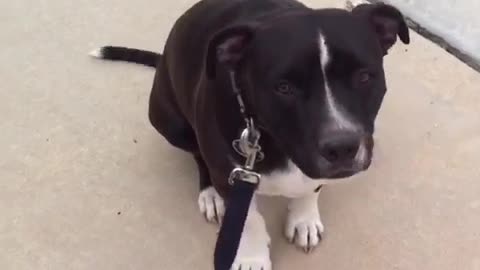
[291,183]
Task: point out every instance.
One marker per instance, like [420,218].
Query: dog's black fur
[272,46]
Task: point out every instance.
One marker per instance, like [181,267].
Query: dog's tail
[115,53]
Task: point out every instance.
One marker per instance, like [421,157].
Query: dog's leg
[253,252]
[211,204]
[304,226]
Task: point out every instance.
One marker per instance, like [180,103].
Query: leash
[244,181]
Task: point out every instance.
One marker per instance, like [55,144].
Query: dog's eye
[284,88]
[362,78]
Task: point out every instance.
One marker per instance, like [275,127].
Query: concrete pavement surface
[86,183]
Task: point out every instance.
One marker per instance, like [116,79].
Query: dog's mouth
[339,172]
[345,172]
[330,171]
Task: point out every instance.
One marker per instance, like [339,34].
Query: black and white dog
[313,80]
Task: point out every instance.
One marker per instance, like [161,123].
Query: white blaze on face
[337,115]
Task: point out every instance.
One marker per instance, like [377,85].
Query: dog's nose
[340,147]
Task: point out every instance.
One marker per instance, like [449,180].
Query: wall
[457,21]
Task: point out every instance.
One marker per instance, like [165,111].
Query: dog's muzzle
[345,152]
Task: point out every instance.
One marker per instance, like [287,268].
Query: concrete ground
[86,183]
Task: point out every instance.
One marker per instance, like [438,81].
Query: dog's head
[315,81]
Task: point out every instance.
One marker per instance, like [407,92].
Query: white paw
[252,263]
[304,226]
[253,251]
[211,205]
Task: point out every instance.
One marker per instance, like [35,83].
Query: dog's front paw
[252,263]
[211,205]
[305,230]
[254,249]
[253,252]
[304,226]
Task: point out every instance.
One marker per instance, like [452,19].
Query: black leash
[233,223]
[244,181]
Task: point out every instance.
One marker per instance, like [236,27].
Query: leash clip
[247,144]
[244,175]
[248,147]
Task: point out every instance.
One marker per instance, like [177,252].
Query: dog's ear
[227,47]
[387,22]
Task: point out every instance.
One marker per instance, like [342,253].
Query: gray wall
[457,21]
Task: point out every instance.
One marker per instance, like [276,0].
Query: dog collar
[244,181]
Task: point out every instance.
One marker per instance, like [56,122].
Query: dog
[313,81]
